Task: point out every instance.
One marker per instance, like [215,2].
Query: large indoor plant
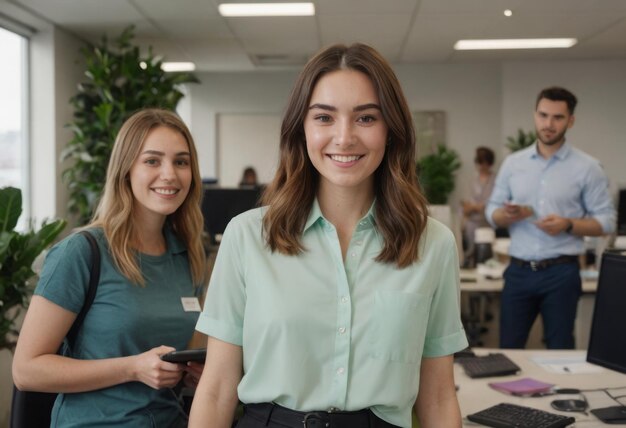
[18,251]
[521,140]
[119,81]
[436,174]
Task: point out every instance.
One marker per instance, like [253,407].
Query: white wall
[233,93]
[600,128]
[469,94]
[484,103]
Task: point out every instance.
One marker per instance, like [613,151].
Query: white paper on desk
[570,364]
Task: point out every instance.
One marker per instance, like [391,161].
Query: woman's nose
[168,172]
[345,134]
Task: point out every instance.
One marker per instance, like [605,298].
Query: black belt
[269,412]
[542,264]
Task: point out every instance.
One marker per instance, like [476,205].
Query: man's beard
[556,138]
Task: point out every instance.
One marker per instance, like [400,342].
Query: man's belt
[536,265]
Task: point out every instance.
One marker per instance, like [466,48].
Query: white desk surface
[471,281]
[475,394]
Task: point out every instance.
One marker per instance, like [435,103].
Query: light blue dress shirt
[320,332]
[570,184]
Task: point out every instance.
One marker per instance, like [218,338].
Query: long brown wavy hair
[401,211]
[115,209]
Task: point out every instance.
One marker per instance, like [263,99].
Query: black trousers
[268,415]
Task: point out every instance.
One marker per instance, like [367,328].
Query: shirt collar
[560,154]
[315,215]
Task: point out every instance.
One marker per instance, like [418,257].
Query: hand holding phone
[516,211]
[198,355]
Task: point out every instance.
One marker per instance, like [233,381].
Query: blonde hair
[401,211]
[115,209]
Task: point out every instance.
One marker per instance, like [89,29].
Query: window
[13,108]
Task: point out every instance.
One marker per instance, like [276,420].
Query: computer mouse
[569,405]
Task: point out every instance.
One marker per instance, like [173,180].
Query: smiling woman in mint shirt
[337,302]
[148,226]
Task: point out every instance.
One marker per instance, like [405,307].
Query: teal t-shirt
[124,319]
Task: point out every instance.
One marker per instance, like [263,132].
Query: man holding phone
[549,195]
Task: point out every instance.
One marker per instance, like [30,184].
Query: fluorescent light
[508,12]
[266,9]
[178,66]
[462,45]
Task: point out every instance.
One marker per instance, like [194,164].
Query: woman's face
[160,177]
[345,131]
[483,167]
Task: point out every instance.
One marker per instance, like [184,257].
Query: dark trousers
[552,291]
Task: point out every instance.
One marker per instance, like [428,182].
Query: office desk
[475,394]
[477,290]
[472,282]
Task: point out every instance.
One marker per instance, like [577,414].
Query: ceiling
[405,31]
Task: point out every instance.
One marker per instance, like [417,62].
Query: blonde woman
[337,304]
[148,226]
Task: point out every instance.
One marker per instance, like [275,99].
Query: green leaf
[436,174]
[10,207]
[116,87]
[17,253]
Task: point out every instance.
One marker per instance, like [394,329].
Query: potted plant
[18,251]
[436,171]
[521,140]
[119,82]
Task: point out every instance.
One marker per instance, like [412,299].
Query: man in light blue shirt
[549,195]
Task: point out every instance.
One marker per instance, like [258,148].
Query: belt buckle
[533,265]
[312,415]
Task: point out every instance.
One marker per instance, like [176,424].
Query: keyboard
[505,415]
[495,364]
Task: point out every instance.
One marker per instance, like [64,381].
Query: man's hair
[401,210]
[484,155]
[556,93]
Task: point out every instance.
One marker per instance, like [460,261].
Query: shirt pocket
[399,322]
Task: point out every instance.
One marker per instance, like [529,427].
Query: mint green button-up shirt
[318,331]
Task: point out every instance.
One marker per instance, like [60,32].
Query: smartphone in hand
[198,355]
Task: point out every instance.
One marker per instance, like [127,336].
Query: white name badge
[190,304]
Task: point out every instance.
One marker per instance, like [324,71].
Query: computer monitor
[607,341]
[621,213]
[220,205]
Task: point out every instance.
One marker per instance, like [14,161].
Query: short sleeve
[224,306]
[445,334]
[64,278]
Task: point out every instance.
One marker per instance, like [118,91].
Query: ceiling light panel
[487,44]
[266,9]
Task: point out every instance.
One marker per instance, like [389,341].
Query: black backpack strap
[94,278]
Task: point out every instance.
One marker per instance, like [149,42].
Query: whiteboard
[246,140]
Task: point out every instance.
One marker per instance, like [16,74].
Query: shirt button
[353,255]
[340,370]
[344,299]
[342,330]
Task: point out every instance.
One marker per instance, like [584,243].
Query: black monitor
[220,205]
[621,213]
[607,342]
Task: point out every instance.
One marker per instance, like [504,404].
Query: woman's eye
[323,118]
[151,162]
[367,119]
[181,162]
